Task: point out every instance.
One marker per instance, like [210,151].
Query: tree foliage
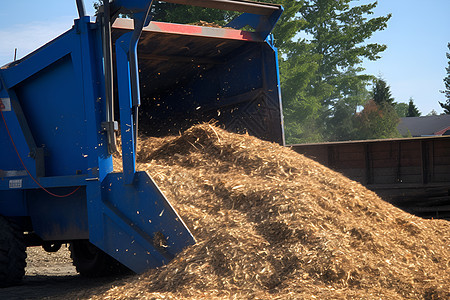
[381,92]
[377,121]
[331,37]
[432,113]
[338,32]
[413,111]
[340,124]
[446,105]
[401,109]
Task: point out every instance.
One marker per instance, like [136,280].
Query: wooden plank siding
[413,174]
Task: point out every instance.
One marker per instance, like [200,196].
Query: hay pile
[271,223]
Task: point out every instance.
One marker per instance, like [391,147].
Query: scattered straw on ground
[272,224]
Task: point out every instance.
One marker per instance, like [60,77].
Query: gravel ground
[52,276]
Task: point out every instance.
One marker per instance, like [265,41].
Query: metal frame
[61,96]
[104,203]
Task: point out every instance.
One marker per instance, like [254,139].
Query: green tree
[413,111]
[298,67]
[334,37]
[302,110]
[340,126]
[446,105]
[381,92]
[432,113]
[401,109]
[377,121]
[379,118]
[338,32]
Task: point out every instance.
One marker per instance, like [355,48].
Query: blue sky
[414,62]
[413,65]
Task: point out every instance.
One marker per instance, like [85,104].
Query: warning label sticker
[5,104]
[15,184]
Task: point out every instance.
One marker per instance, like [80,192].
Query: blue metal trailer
[61,107]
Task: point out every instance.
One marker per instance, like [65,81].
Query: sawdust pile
[271,223]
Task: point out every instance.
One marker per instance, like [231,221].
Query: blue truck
[62,105]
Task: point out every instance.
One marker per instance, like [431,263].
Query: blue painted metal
[263,25]
[19,208]
[125,107]
[54,92]
[139,10]
[56,98]
[55,219]
[132,228]
[55,168]
[7,149]
[274,68]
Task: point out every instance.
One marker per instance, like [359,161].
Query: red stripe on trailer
[202,30]
[176,28]
[227,33]
[239,35]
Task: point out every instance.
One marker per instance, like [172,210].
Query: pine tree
[446,105]
[413,111]
[381,92]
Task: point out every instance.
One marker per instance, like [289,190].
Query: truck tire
[93,262]
[12,253]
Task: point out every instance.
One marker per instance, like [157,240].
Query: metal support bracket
[111,126]
[128,80]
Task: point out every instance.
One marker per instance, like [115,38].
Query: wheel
[12,253]
[93,262]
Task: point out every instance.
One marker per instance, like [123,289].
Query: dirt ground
[52,276]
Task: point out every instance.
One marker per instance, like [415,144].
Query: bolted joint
[111,126]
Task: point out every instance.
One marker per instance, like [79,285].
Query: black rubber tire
[90,261]
[12,253]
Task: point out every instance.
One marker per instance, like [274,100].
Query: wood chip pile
[272,224]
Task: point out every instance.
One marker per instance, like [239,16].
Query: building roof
[444,131]
[424,126]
